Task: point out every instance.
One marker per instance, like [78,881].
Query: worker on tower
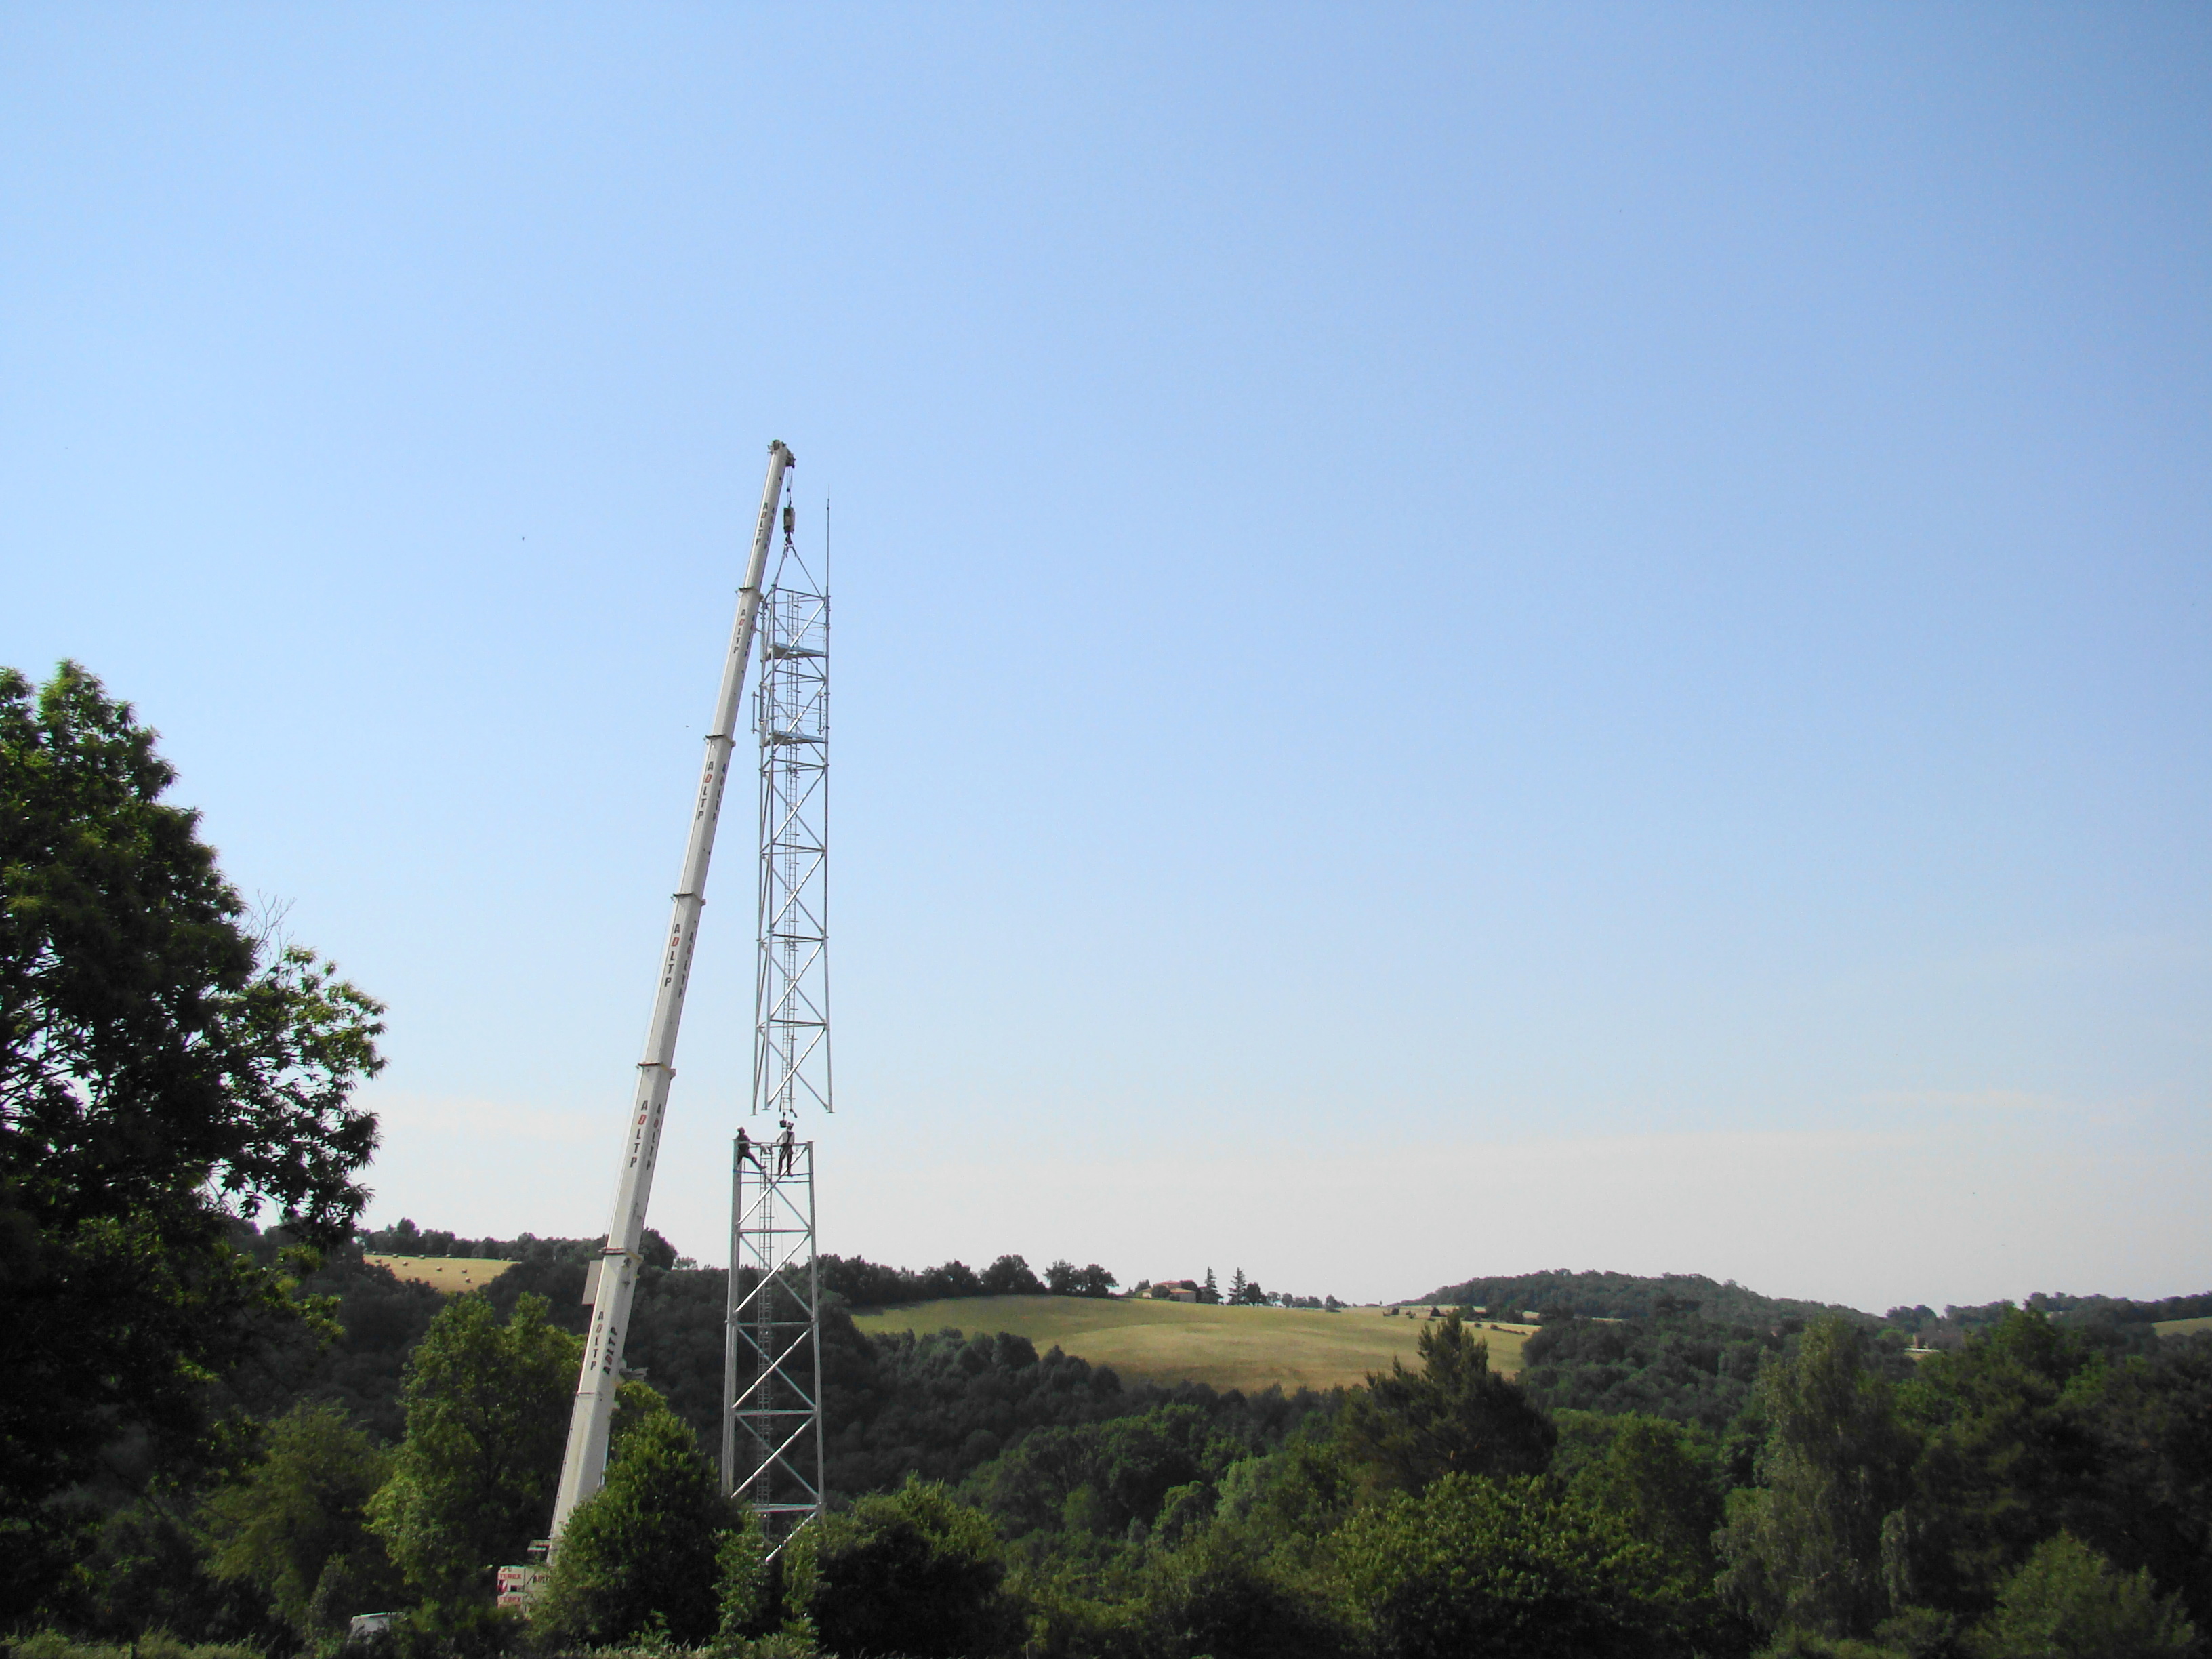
[785,1145]
[745,1150]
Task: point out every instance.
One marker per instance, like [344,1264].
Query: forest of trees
[221,1427]
[1665,1484]
[1640,1493]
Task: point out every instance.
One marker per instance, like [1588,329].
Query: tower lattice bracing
[791,1055]
[772,1407]
[772,1410]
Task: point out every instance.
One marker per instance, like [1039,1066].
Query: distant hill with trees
[1594,1295]
[1561,1295]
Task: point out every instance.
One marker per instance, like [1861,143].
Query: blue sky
[1469,638]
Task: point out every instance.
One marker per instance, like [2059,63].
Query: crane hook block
[790,519]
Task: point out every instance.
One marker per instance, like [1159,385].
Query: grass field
[451,1273]
[2182,1326]
[1246,1348]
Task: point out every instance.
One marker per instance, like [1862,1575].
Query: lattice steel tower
[771,1402]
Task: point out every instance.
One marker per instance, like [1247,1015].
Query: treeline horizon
[1557,1293]
[852,1279]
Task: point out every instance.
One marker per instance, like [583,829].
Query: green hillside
[1244,1348]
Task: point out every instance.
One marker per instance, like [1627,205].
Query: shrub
[153,1644]
[748,1586]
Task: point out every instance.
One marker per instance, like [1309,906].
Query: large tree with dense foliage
[2067,1601]
[2008,1454]
[295,1527]
[913,1572]
[1805,1548]
[2154,1466]
[1686,1368]
[1102,1476]
[166,1068]
[1454,1416]
[1660,1478]
[1224,1593]
[487,1419]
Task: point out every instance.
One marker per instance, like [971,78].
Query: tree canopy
[1475,1566]
[1804,1547]
[295,1528]
[1454,1416]
[487,1419]
[913,1573]
[166,1067]
[645,1545]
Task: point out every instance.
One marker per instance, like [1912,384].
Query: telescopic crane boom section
[583,1466]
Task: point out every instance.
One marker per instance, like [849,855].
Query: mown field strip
[450,1275]
[1246,1348]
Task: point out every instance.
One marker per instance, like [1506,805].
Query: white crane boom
[583,1466]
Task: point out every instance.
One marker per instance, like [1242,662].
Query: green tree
[164,1068]
[295,1526]
[1101,1476]
[1477,1566]
[1659,1478]
[1064,1278]
[2009,1454]
[748,1586]
[1455,1416]
[1294,1498]
[643,1551]
[487,1421]
[1223,1595]
[1095,1281]
[2154,1467]
[1805,1548]
[913,1573]
[2067,1601]
[1010,1275]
